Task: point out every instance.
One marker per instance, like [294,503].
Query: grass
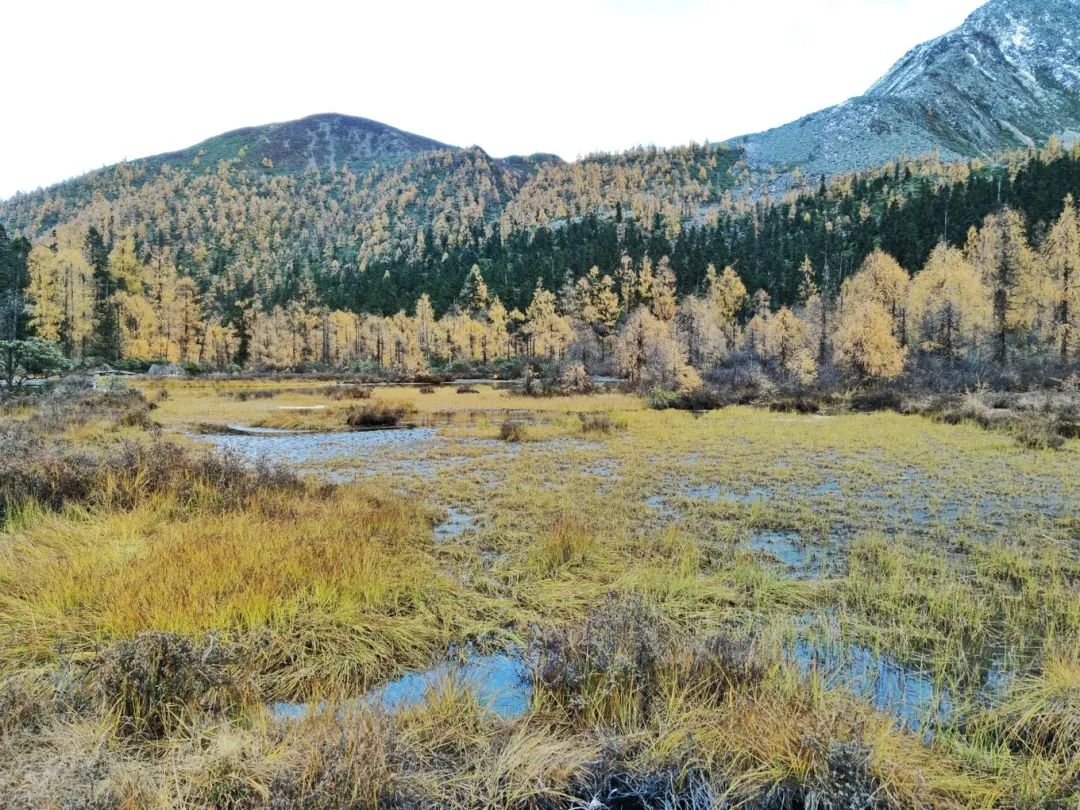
[148,619]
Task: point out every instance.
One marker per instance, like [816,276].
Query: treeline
[997,300]
[905,208]
[557,289]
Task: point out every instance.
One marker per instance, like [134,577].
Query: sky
[89,84]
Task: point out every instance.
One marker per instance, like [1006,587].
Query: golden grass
[345,583]
[334,591]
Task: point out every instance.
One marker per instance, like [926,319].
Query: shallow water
[801,559]
[499,681]
[313,448]
[910,695]
[717,492]
[457,523]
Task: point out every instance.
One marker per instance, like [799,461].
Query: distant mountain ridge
[327,141]
[1008,77]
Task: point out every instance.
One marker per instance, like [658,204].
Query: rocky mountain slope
[1008,77]
[328,141]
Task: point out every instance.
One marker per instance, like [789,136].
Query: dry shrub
[600,423]
[156,681]
[349,392]
[256,393]
[47,473]
[54,474]
[877,399]
[378,414]
[797,403]
[513,431]
[467,389]
[616,664]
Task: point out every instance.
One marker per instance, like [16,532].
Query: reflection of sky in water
[499,681]
[802,560]
[349,450]
[307,448]
[909,695]
[456,523]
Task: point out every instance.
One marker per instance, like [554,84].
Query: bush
[426,389]
[625,655]
[661,399]
[33,471]
[378,414]
[877,399]
[1037,434]
[349,392]
[467,389]
[599,423]
[797,403]
[574,378]
[52,475]
[256,393]
[156,681]
[513,431]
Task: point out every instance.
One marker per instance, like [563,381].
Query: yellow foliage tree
[786,342]
[865,341]
[1062,258]
[949,306]
[648,354]
[881,279]
[1005,262]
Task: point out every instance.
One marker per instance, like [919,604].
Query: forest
[866,273]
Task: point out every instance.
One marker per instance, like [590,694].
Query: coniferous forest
[239,267]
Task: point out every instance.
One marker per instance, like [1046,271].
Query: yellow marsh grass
[345,583]
[923,597]
[190,402]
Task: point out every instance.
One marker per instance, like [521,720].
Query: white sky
[86,84]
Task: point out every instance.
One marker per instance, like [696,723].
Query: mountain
[1008,77]
[348,206]
[329,141]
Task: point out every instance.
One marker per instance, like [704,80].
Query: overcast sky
[86,84]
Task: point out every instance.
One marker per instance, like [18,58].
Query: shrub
[877,399]
[575,378]
[614,665]
[256,393]
[662,399]
[797,403]
[1037,433]
[349,392]
[33,471]
[600,423]
[53,475]
[426,389]
[467,389]
[155,681]
[378,414]
[512,431]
